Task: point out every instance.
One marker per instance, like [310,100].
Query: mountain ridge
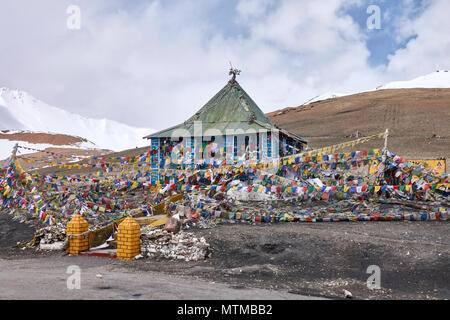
[25,115]
[418,121]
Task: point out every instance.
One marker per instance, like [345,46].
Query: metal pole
[14,152]
[382,166]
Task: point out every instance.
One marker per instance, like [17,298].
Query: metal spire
[233,72]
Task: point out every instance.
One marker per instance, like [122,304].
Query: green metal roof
[231,108]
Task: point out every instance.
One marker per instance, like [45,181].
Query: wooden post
[385,138]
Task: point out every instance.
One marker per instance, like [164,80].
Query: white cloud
[153,64]
[319,50]
[254,8]
[431,46]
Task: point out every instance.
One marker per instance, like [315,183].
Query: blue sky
[154,63]
[381,42]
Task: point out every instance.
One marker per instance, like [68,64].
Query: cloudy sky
[154,63]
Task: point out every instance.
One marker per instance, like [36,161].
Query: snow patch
[21,111]
[438,79]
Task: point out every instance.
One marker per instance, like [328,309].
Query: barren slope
[42,137]
[418,121]
[65,171]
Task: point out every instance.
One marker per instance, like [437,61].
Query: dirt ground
[322,259]
[289,259]
[46,277]
[41,137]
[12,232]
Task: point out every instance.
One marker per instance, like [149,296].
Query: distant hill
[39,125]
[418,120]
[416,112]
[438,79]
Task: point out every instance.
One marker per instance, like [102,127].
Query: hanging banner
[438,166]
[374,166]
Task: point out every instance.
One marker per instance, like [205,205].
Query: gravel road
[264,261]
[47,278]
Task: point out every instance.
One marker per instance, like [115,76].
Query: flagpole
[385,138]
[14,153]
[383,158]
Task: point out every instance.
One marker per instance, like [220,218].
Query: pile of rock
[182,245]
[50,238]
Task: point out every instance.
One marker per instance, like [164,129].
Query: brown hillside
[66,171]
[41,137]
[71,155]
[418,121]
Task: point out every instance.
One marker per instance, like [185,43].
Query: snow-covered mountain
[438,79]
[20,111]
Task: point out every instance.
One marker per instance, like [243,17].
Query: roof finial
[233,72]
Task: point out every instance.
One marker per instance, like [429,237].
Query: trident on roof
[234,72]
